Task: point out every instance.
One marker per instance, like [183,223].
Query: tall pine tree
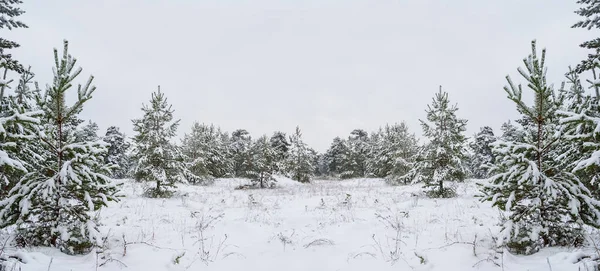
[545,204]
[158,159]
[443,158]
[54,205]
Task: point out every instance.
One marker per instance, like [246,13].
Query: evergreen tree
[334,156]
[590,10]
[378,164]
[240,152]
[25,95]
[281,145]
[263,163]
[545,204]
[9,11]
[580,152]
[482,157]
[53,205]
[19,126]
[88,132]
[443,158]
[205,149]
[321,165]
[393,153]
[158,160]
[511,132]
[300,162]
[117,155]
[353,162]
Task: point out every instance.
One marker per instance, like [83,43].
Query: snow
[325,225]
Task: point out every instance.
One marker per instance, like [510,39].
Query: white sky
[329,66]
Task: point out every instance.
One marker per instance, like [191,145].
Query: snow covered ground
[360,225]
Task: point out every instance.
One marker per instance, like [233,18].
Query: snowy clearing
[326,225]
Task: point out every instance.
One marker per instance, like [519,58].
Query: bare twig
[319,242]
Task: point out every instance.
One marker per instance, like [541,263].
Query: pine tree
[334,156]
[53,205]
[590,11]
[280,144]
[353,162]
[207,152]
[443,158]
[117,156]
[88,132]
[263,163]
[9,11]
[19,126]
[300,160]
[240,152]
[393,153]
[545,204]
[321,165]
[511,132]
[579,120]
[482,157]
[158,160]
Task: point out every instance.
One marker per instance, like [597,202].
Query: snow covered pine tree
[207,152]
[263,163]
[335,155]
[300,162]
[393,151]
[280,144]
[53,205]
[545,204]
[8,12]
[443,158]
[239,150]
[158,160]
[87,132]
[117,155]
[590,11]
[483,157]
[19,127]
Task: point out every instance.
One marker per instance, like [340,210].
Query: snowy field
[357,225]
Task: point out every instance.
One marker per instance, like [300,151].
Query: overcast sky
[327,66]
